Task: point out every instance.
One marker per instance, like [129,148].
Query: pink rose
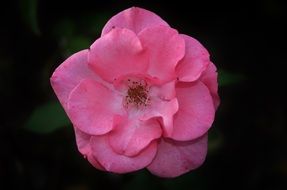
[143,95]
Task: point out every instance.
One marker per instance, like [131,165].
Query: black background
[243,37]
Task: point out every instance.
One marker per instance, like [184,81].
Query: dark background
[247,42]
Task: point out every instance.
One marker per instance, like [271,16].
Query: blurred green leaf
[76,44]
[28,9]
[226,78]
[93,23]
[142,181]
[64,29]
[47,118]
[192,180]
[215,140]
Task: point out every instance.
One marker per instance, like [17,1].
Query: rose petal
[94,162]
[195,60]
[117,53]
[84,146]
[92,107]
[117,163]
[175,158]
[69,74]
[131,136]
[209,78]
[196,111]
[135,19]
[164,110]
[165,48]
[163,91]
[83,142]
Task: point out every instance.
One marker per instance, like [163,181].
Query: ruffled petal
[117,163]
[69,74]
[84,147]
[163,91]
[195,60]
[135,19]
[83,142]
[196,111]
[92,107]
[165,48]
[132,136]
[116,54]
[209,78]
[175,158]
[164,110]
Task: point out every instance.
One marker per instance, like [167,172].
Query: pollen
[137,94]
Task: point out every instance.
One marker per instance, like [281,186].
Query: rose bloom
[142,95]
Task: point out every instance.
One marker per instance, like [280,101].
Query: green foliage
[226,78]
[28,10]
[93,23]
[192,180]
[215,140]
[142,180]
[64,28]
[76,44]
[47,118]
[66,33]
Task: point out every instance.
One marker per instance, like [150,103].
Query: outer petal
[175,158]
[117,163]
[195,60]
[131,136]
[92,107]
[196,111]
[83,142]
[69,74]
[135,19]
[165,47]
[84,146]
[117,53]
[209,78]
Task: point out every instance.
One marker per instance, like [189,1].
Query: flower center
[137,94]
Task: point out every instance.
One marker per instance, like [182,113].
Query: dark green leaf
[64,29]
[93,23]
[28,10]
[193,179]
[142,181]
[226,78]
[47,118]
[78,43]
[215,140]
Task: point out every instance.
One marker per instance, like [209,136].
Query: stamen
[137,94]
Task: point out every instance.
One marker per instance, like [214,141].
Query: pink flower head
[142,95]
